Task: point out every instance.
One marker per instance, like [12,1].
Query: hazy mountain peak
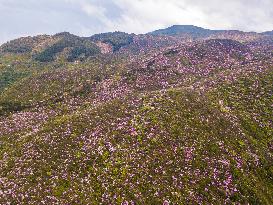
[183,29]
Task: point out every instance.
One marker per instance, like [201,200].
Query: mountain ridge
[73,48]
[155,31]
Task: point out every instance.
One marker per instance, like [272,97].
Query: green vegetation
[116,39]
[78,47]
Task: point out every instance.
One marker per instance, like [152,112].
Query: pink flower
[133,131]
[125,203]
[166,202]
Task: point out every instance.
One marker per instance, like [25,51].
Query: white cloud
[151,14]
[86,17]
[246,15]
[233,14]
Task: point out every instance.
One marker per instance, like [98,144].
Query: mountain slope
[159,120]
[210,150]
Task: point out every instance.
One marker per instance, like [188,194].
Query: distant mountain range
[46,48]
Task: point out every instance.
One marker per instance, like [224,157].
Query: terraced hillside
[144,119]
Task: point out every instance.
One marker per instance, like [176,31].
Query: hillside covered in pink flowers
[181,115]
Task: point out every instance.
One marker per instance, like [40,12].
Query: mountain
[48,48]
[77,47]
[195,33]
[191,30]
[119,118]
[270,33]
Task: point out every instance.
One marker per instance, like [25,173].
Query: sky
[87,17]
